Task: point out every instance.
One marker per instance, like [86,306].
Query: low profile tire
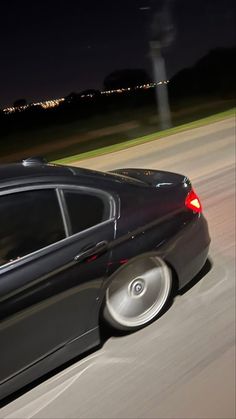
[138,293]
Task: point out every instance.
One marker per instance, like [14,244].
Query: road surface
[183,365]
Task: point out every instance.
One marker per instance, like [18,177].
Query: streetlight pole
[161,35]
[161,89]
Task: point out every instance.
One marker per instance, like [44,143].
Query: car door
[53,257]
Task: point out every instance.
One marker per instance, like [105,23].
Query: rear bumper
[188,252]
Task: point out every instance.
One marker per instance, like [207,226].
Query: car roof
[19,170]
[16,173]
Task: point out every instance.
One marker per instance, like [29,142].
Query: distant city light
[48,104]
[44,105]
[127,89]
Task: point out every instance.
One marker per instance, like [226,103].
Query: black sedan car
[79,249]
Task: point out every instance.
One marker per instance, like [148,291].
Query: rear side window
[29,221]
[85,210]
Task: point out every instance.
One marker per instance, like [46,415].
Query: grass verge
[147,138]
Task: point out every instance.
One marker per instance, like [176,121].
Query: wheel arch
[108,281]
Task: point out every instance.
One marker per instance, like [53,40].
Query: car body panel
[54,307]
[51,301]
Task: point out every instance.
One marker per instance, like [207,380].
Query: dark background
[51,48]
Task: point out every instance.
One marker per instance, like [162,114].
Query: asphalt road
[183,365]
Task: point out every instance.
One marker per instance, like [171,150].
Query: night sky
[51,48]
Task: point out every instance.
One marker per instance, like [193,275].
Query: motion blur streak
[181,366]
[43,401]
[61,384]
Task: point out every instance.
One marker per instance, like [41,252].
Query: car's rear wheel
[138,293]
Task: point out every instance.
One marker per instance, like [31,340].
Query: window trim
[58,188]
[60,199]
[92,191]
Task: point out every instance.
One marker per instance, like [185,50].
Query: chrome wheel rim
[139,291]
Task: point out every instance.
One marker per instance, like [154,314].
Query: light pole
[161,35]
[161,89]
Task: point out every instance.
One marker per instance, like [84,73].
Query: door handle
[92,251]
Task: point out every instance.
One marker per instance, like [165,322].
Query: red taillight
[193,202]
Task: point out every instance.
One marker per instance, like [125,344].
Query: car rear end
[182,230]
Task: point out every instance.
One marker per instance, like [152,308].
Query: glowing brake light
[193,202]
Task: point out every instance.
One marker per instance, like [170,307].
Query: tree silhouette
[19,103]
[126,78]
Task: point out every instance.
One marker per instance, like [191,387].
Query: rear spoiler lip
[155,178]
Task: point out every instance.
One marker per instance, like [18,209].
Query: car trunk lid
[155,178]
